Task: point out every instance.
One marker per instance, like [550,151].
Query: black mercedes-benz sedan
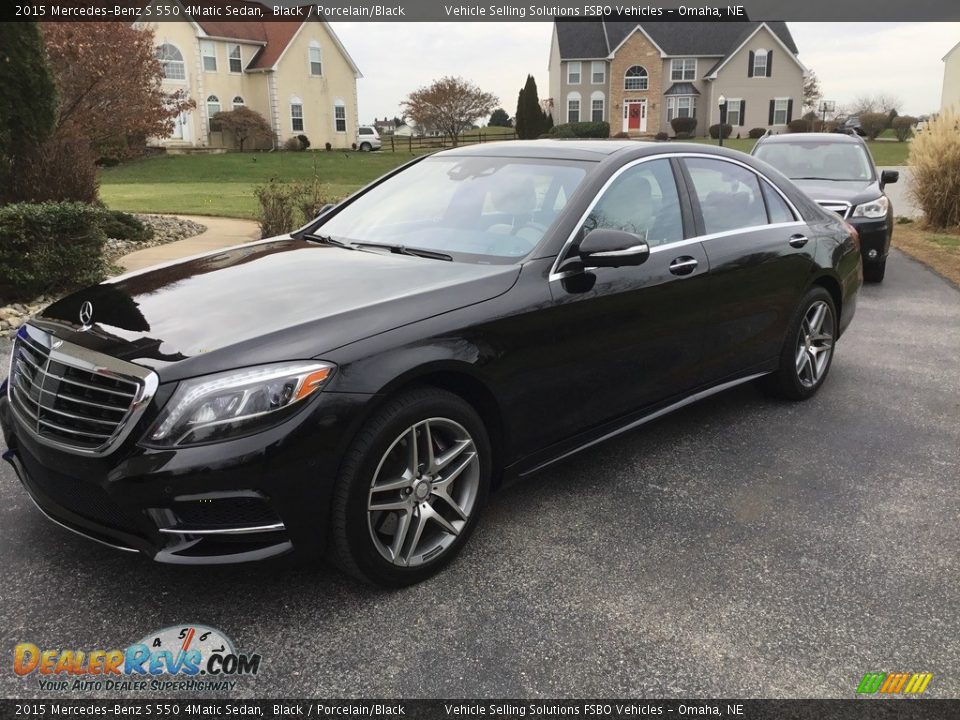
[356,389]
[837,170]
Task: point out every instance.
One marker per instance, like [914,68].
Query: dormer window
[316,60]
[760,63]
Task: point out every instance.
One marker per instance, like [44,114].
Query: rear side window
[729,195]
[366,131]
[777,209]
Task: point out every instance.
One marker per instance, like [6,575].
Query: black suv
[837,171]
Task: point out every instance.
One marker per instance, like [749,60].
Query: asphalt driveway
[742,547]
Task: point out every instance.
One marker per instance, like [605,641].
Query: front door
[181,127]
[639,329]
[635,116]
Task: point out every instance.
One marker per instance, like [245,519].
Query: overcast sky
[851,59]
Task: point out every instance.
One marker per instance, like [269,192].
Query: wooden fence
[426,142]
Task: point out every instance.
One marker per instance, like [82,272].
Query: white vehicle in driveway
[368,139]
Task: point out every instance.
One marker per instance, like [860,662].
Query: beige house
[297,74]
[639,76]
[951,79]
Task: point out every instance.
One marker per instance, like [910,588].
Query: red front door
[634,117]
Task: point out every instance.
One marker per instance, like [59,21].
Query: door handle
[798,240]
[683,265]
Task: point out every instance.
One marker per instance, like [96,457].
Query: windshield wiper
[330,240]
[404,250]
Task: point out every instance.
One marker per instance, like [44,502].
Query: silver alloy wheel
[423,492]
[814,344]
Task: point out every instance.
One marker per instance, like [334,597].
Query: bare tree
[811,92]
[878,103]
[449,104]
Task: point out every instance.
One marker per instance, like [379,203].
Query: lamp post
[723,117]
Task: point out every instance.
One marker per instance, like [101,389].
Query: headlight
[873,209]
[234,403]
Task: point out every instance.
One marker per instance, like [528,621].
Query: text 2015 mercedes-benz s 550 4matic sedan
[356,389]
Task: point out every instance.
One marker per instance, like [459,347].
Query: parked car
[368,139]
[851,125]
[357,388]
[837,171]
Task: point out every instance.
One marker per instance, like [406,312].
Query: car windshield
[479,209]
[818,160]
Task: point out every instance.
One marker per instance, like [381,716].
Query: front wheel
[410,489]
[808,348]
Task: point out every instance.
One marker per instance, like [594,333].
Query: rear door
[760,255]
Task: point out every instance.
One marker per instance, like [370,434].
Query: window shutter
[769,63]
[789,110]
[743,112]
[770,118]
[750,66]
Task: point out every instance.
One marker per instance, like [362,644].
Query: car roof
[794,138]
[590,150]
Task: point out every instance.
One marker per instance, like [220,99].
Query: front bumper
[874,238]
[238,501]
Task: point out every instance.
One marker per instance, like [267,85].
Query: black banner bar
[731,709]
[476,10]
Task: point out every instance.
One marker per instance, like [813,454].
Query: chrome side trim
[72,355]
[696,397]
[275,527]
[74,530]
[556,275]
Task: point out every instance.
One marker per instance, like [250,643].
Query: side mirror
[888,177]
[324,209]
[613,248]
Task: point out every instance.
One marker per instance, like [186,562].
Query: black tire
[787,382]
[874,272]
[351,545]
[365,147]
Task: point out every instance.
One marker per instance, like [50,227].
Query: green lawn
[223,184]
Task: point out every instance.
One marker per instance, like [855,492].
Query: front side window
[340,116]
[780,111]
[643,200]
[573,107]
[598,73]
[296,115]
[759,63]
[573,73]
[636,78]
[236,59]
[213,107]
[316,61]
[209,52]
[729,195]
[479,209]
[171,60]
[683,69]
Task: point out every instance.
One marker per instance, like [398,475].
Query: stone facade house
[639,76]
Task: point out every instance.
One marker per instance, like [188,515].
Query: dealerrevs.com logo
[183,657]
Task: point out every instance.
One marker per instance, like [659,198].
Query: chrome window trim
[91,361]
[556,275]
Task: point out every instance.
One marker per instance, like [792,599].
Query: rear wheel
[365,147]
[874,272]
[808,348]
[411,489]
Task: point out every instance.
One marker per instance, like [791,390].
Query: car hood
[276,300]
[851,191]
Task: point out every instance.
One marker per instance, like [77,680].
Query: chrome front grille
[73,398]
[838,206]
